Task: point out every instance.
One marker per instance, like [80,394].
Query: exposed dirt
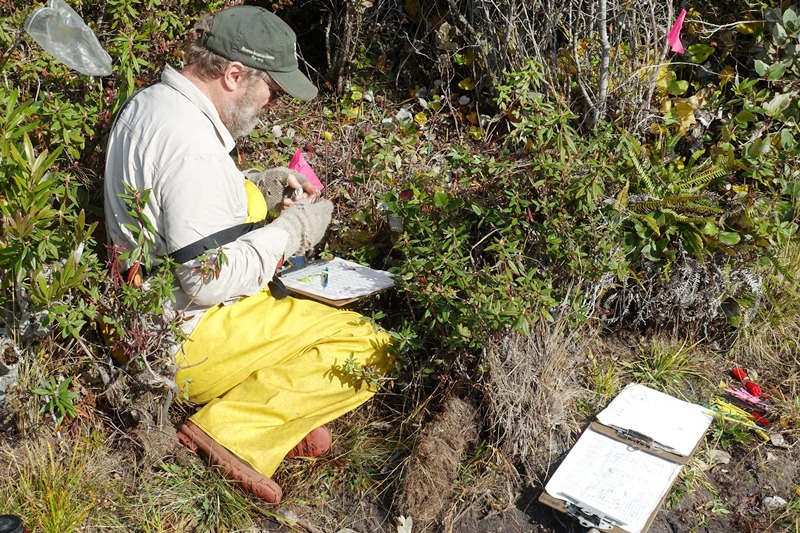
[753,474]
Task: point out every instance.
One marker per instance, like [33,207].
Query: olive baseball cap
[260,39]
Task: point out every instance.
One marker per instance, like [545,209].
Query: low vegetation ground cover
[567,209]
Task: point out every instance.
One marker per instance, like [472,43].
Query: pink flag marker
[299,164]
[674,35]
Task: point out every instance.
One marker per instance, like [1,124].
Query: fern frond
[703,178]
[642,173]
[680,217]
[716,243]
[646,207]
[692,204]
[778,265]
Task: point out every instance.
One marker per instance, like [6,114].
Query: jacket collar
[180,83]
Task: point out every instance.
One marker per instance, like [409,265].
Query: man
[266,369]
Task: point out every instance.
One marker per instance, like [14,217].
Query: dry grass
[82,479]
[772,340]
[352,486]
[432,469]
[769,348]
[58,486]
[532,389]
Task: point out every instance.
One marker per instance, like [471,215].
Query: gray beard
[240,117]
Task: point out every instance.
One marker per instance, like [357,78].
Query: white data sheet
[664,418]
[624,483]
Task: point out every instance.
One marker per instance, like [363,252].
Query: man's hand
[309,193]
[278,185]
[305,224]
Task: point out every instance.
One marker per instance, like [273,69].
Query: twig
[7,55]
[600,108]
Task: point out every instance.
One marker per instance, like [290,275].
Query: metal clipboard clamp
[588,516]
[641,441]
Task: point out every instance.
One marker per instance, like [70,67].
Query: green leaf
[787,140]
[745,116]
[622,198]
[693,241]
[758,147]
[729,237]
[650,252]
[779,35]
[466,84]
[779,103]
[651,223]
[440,199]
[678,87]
[700,52]
[776,71]
[709,229]
[760,67]
[791,21]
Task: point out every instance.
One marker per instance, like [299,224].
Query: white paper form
[664,418]
[337,280]
[614,478]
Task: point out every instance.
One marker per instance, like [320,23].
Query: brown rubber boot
[315,444]
[235,469]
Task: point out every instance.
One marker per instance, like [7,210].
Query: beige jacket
[170,140]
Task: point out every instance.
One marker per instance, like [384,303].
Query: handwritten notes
[622,482]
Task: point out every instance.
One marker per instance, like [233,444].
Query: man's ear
[233,77]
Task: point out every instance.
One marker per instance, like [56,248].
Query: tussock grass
[666,365]
[531,391]
[58,487]
[83,480]
[769,347]
[772,340]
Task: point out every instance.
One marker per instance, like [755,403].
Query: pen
[325,276]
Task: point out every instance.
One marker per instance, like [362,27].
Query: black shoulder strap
[220,238]
[187,253]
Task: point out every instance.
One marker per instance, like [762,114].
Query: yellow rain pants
[269,371]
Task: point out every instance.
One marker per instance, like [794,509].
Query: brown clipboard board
[570,508]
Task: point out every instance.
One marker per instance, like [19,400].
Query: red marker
[742,376]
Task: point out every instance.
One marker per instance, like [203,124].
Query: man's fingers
[311,192]
[292,181]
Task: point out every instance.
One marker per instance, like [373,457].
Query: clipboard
[337,282]
[618,475]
